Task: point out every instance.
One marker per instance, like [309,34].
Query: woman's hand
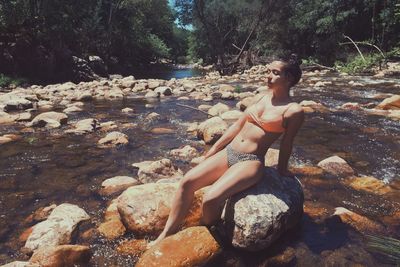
[210,152]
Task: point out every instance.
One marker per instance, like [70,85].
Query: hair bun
[294,60]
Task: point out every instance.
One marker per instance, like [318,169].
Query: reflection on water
[46,167]
[166,73]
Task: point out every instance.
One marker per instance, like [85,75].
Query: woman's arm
[229,134]
[295,120]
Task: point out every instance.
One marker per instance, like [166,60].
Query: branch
[345,36]
[185,106]
[366,43]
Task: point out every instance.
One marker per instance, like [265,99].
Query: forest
[58,40]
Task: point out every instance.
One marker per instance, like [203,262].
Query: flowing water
[51,167]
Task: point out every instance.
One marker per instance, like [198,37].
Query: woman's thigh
[237,178]
[207,172]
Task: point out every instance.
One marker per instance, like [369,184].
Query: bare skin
[245,137]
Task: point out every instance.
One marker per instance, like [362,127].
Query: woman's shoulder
[294,109]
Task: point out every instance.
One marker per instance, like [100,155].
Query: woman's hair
[292,66]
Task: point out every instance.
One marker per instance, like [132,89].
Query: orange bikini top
[270,124]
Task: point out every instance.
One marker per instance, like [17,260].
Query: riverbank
[66,158]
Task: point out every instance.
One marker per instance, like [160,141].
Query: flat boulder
[12,101]
[211,130]
[151,171]
[194,246]
[85,126]
[116,185]
[358,222]
[337,166]
[144,209]
[368,184]
[64,255]
[58,227]
[258,216]
[231,115]
[163,90]
[50,119]
[218,109]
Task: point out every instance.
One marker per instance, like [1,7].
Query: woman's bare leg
[237,178]
[204,174]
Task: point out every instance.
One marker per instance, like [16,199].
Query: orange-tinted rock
[112,229]
[392,102]
[133,247]
[40,214]
[315,211]
[360,223]
[64,255]
[144,209]
[193,246]
[368,184]
[392,219]
[307,170]
[25,234]
[162,131]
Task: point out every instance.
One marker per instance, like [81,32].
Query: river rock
[186,153]
[72,109]
[226,88]
[58,227]
[7,138]
[144,209]
[204,107]
[6,118]
[218,109]
[258,216]
[336,165]
[84,96]
[108,125]
[113,139]
[390,103]
[113,227]
[360,223]
[20,264]
[351,106]
[231,115]
[211,130]
[153,84]
[85,126]
[116,185]
[151,171]
[49,119]
[64,255]
[163,90]
[114,93]
[127,110]
[368,184]
[227,96]
[194,246]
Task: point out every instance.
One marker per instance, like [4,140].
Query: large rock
[58,227]
[258,216]
[151,171]
[49,119]
[368,184]
[116,185]
[194,246]
[218,109]
[60,256]
[113,139]
[336,165]
[390,103]
[212,129]
[231,115]
[144,209]
[12,101]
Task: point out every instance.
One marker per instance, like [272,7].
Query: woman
[236,161]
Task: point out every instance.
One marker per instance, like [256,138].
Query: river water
[50,167]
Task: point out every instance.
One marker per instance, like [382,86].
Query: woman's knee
[188,183]
[211,199]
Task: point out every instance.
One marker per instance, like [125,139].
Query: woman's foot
[158,240]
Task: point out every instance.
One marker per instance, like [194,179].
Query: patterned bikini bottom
[236,156]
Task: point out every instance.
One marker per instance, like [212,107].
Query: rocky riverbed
[90,169]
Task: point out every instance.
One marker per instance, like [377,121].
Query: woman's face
[276,77]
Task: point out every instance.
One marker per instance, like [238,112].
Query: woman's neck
[281,96]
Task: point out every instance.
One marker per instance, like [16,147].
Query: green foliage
[358,65]
[158,46]
[386,246]
[7,81]
[238,88]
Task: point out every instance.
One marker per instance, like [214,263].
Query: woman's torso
[264,125]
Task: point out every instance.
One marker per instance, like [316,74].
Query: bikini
[274,125]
